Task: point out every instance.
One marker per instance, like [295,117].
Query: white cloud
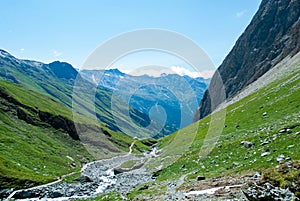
[207,73]
[124,71]
[157,71]
[22,49]
[240,13]
[183,71]
[56,53]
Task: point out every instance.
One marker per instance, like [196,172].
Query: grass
[39,101]
[33,154]
[71,178]
[153,189]
[108,197]
[284,177]
[129,164]
[143,145]
[85,102]
[256,118]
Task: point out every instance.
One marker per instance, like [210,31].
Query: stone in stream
[55,194]
[84,179]
[5,193]
[26,194]
[118,171]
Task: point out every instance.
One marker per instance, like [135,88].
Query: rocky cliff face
[273,34]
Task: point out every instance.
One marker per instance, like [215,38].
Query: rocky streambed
[97,177]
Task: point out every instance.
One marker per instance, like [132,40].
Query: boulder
[247,144]
[5,193]
[55,194]
[265,154]
[200,178]
[84,179]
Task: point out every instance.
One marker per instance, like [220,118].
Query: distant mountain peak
[4,53]
[63,70]
[115,71]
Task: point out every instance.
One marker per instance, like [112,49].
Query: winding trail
[130,147]
[43,185]
[60,178]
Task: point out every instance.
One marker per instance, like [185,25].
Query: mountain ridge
[142,93]
[275,26]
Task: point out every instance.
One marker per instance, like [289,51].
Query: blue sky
[69,30]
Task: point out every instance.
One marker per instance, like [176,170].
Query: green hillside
[35,149]
[60,81]
[268,118]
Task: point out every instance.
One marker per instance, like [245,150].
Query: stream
[100,176]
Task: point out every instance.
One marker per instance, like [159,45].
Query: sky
[70,30]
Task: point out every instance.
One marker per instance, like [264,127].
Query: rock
[272,35]
[60,122]
[72,165]
[265,154]
[256,175]
[56,194]
[143,187]
[235,163]
[266,141]
[247,144]
[70,158]
[5,193]
[200,178]
[282,131]
[84,179]
[265,114]
[25,194]
[280,158]
[268,192]
[156,174]
[118,171]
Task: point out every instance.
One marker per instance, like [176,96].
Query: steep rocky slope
[272,35]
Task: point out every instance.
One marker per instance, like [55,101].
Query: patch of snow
[211,191]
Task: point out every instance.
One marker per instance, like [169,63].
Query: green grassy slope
[257,118]
[42,79]
[33,151]
[33,154]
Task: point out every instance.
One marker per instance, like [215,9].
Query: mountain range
[179,96]
[243,143]
[58,78]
